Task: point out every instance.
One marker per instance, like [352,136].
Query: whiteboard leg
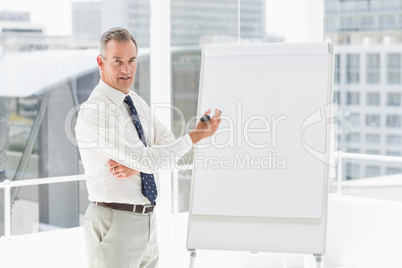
[284,261]
[193,254]
[318,260]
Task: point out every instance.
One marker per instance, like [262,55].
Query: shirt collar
[116,96]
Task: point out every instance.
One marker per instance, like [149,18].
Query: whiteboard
[265,172]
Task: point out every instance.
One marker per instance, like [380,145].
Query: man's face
[118,69]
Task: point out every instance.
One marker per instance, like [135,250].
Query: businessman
[121,146]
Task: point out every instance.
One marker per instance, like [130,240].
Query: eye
[132,60]
[117,61]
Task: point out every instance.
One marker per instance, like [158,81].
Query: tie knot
[128,100]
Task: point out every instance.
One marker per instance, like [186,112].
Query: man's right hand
[206,129]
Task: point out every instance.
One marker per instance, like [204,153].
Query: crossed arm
[202,131]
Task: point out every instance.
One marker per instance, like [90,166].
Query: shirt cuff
[187,143]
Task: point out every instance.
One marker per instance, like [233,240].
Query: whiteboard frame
[263,234]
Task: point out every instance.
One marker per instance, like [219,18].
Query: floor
[361,233]
[66,249]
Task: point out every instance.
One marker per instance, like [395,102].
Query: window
[394,99]
[373,138]
[352,171]
[352,137]
[393,170]
[337,97]
[368,43]
[367,22]
[393,77]
[331,24]
[373,171]
[387,21]
[373,98]
[192,24]
[373,151]
[373,68]
[353,150]
[353,77]
[393,153]
[29,138]
[373,120]
[350,23]
[393,139]
[394,68]
[337,71]
[352,98]
[352,61]
[354,119]
[352,66]
[394,61]
[393,121]
[373,61]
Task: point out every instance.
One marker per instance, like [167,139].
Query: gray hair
[119,34]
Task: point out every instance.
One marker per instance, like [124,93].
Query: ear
[100,62]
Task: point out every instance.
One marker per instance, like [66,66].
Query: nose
[125,69]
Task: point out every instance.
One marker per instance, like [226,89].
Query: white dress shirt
[104,131]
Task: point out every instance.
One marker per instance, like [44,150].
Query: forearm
[134,154]
[195,137]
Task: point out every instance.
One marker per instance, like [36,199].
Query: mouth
[125,77]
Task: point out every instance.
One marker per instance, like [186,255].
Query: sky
[55,15]
[284,17]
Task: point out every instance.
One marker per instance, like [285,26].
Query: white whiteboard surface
[264,173]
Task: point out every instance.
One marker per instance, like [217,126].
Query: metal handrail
[7,185]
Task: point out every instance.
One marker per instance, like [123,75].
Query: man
[121,147]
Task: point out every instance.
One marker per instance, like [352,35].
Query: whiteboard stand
[317,257]
[283,218]
[318,260]
[284,261]
[193,254]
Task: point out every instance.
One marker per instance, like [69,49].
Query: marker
[207,117]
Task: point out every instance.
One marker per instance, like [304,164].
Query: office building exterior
[19,34]
[367,81]
[131,14]
[92,18]
[86,22]
[15,16]
[214,21]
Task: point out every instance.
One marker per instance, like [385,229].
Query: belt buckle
[144,208]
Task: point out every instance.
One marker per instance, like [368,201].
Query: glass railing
[362,157]
[37,121]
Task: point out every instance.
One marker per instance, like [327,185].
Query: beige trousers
[120,239]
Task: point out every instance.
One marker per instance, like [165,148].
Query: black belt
[127,207]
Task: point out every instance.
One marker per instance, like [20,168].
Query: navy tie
[148,188]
